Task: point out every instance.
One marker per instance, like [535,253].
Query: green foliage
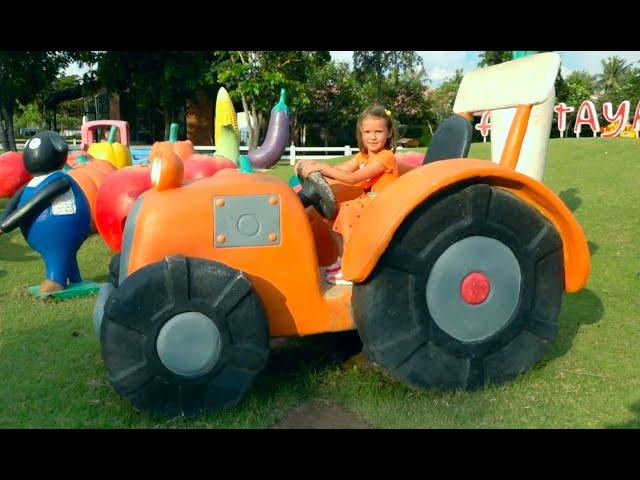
[334,96]
[27,116]
[492,57]
[375,65]
[614,73]
[578,87]
[158,80]
[420,132]
[442,98]
[24,75]
[256,77]
[628,89]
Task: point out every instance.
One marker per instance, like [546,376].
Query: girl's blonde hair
[378,111]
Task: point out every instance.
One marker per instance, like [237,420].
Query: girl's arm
[350,178]
[348,165]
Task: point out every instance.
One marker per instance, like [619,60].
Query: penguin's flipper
[13,203]
[35,205]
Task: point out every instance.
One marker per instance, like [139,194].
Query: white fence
[292,153]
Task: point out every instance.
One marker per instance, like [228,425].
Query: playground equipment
[532,160]
[182,148]
[275,142]
[88,129]
[459,267]
[52,212]
[116,153]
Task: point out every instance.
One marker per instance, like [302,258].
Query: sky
[440,65]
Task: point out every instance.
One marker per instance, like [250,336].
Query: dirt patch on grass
[290,354]
[321,414]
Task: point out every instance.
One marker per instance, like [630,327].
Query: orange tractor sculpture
[459,267]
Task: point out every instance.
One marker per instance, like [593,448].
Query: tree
[378,63]
[614,70]
[577,87]
[580,86]
[493,57]
[158,80]
[335,98]
[23,75]
[256,77]
[443,97]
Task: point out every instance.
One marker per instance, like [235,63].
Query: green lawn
[53,377]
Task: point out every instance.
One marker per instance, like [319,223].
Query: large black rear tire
[467,293]
[183,336]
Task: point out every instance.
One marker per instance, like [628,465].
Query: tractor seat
[451,140]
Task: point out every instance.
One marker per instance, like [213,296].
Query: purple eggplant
[268,154]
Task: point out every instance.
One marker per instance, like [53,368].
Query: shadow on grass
[313,352]
[3,273]
[294,363]
[13,252]
[593,248]
[571,199]
[634,422]
[97,278]
[581,308]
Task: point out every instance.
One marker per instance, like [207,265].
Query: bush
[420,133]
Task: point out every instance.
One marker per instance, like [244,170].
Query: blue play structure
[139,155]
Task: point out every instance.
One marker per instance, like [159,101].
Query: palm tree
[614,70]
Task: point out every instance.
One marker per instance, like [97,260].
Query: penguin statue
[52,212]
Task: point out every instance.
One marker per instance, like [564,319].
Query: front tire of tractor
[184,336]
[467,293]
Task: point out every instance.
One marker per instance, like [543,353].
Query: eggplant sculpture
[268,154]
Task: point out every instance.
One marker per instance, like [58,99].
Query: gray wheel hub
[447,305]
[189,344]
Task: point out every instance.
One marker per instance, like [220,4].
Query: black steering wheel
[317,192]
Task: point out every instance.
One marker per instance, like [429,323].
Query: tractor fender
[386,212]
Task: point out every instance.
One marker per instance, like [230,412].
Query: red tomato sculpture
[114,201]
[13,175]
[198,166]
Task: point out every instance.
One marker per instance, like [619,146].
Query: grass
[53,376]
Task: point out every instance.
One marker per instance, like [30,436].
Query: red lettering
[561,109]
[586,115]
[484,126]
[619,119]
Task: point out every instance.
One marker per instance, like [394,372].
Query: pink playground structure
[88,128]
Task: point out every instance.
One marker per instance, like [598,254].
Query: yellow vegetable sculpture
[111,151]
[225,115]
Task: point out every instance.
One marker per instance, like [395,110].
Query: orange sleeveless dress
[350,211]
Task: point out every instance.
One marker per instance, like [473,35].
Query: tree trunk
[3,137]
[294,132]
[379,77]
[6,127]
[254,130]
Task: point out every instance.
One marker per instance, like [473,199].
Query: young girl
[373,169]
